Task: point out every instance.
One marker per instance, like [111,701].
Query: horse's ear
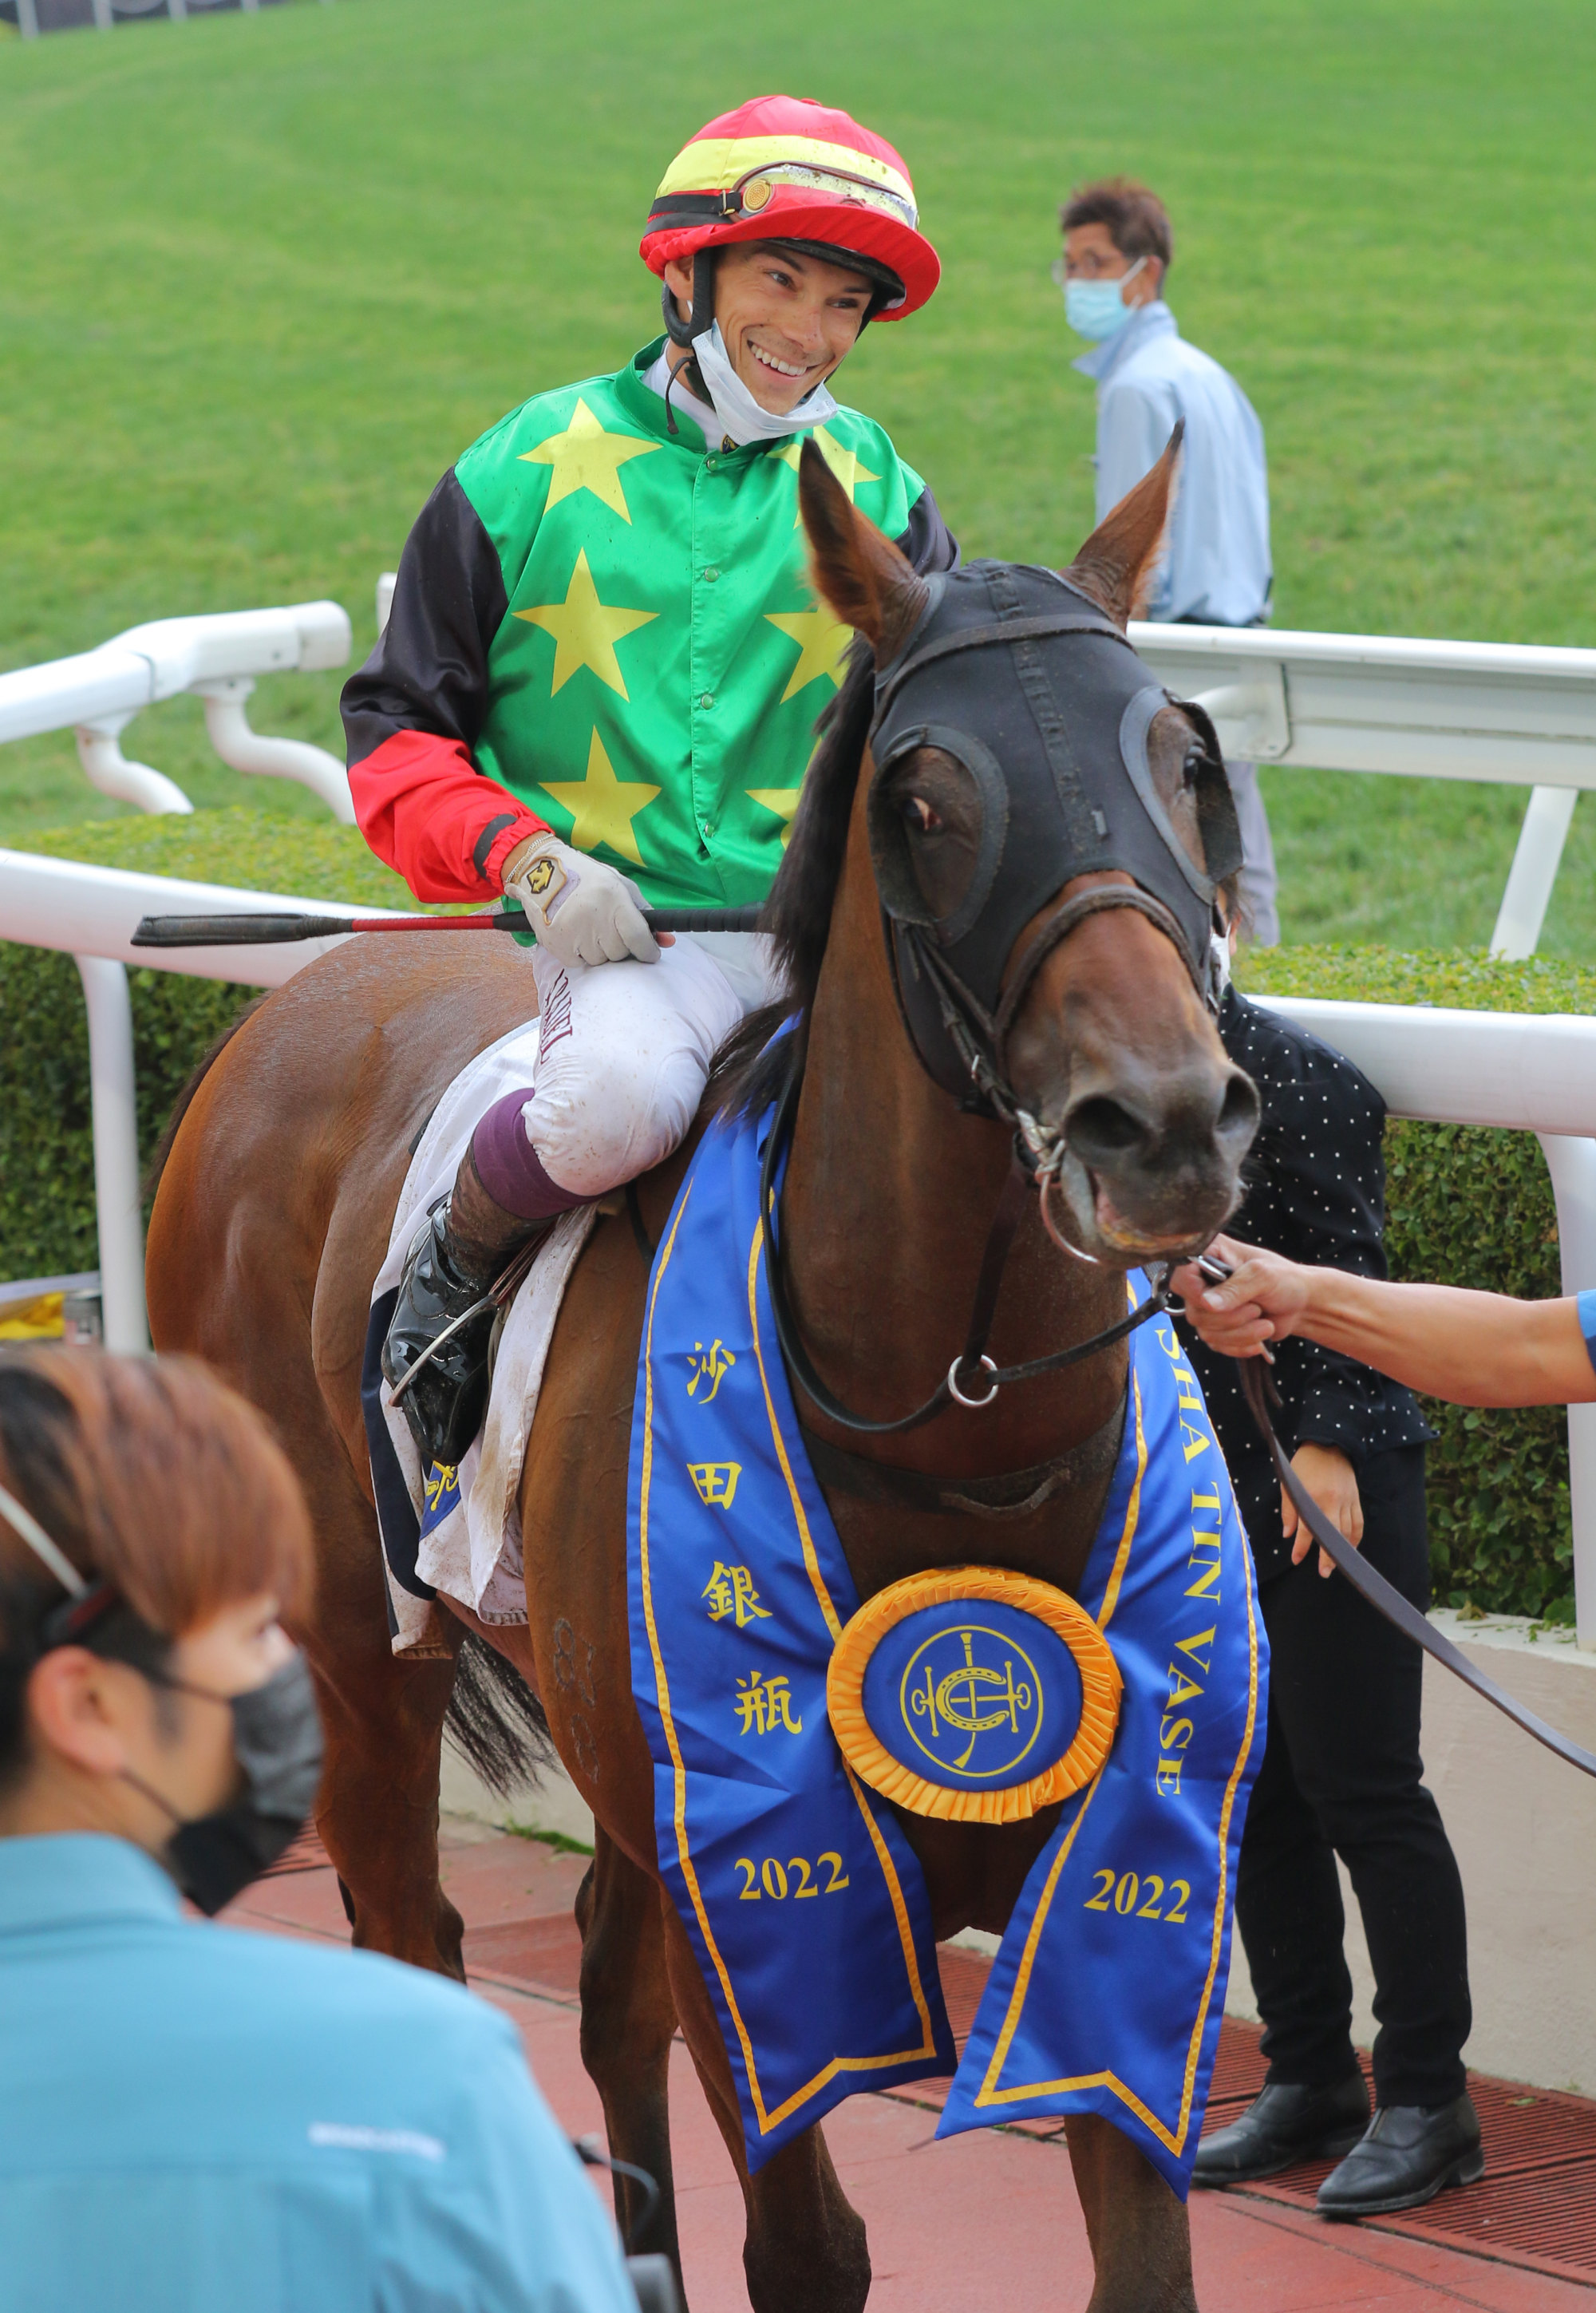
[1116,565]
[857,572]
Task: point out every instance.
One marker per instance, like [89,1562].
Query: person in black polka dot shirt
[1342,1770]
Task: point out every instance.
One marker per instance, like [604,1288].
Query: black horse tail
[496,1722]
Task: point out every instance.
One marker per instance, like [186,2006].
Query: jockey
[597,686]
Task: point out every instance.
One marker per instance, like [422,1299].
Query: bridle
[972,1365]
[977,1033]
[980,1039]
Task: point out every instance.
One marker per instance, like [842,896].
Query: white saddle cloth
[473,1551]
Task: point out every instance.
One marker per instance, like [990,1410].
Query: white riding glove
[581,911]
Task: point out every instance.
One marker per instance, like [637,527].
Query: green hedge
[313,856]
[46,1164]
[1471,1207]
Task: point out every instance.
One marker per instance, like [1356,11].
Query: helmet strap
[702,315]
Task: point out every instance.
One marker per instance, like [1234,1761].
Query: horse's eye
[918,814]
[1192,769]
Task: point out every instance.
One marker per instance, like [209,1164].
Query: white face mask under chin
[1219,961]
[744,418]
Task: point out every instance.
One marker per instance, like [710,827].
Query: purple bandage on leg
[510,1168]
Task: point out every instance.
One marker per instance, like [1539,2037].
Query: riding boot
[445,1313]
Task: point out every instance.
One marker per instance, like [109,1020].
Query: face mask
[744,418]
[1219,962]
[277,1740]
[1096,308]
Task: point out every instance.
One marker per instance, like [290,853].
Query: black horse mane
[748,1072]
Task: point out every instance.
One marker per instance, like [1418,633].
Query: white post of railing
[27,20]
[1572,1164]
[1548,816]
[116,1153]
[107,767]
[102,15]
[244,750]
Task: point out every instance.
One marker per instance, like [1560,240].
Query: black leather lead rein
[972,1364]
[1372,1585]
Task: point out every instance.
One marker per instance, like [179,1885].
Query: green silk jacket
[606,627]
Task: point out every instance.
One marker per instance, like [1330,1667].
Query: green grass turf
[265,276]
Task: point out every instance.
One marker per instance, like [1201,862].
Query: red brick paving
[944,2219]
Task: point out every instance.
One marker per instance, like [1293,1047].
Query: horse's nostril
[1101,1129]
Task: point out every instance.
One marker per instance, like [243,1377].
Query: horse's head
[1047,828]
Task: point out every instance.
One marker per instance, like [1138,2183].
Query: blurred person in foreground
[1341,1771]
[1216,570]
[194,2117]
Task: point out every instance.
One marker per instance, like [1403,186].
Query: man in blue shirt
[1216,570]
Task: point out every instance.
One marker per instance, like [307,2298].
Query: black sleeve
[928,543]
[1315,1192]
[429,671]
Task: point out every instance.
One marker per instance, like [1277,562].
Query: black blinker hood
[1032,689]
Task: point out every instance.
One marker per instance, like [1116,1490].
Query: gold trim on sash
[1100,1690]
[990,2093]
[768,2119]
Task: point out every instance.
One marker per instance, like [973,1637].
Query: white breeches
[626,1049]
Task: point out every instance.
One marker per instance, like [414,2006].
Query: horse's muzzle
[1151,1168]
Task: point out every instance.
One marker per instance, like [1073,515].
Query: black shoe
[1411,2153]
[1282,2127]
[440,1301]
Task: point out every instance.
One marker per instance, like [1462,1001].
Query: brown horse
[273,1217]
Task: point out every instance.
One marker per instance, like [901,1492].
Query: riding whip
[269,928]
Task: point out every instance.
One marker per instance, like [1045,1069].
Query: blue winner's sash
[804,1901]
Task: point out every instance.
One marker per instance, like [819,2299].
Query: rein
[972,1364]
[1382,1594]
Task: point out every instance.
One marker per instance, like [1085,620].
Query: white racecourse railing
[91,913]
[1534,1073]
[1531,1073]
[1512,712]
[97,694]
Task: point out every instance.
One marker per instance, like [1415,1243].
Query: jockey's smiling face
[786,320]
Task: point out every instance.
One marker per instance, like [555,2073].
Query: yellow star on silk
[601,807]
[848,467]
[821,641]
[782,801]
[585,631]
[585,458]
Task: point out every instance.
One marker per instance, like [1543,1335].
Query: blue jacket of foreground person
[195,2117]
[1217,571]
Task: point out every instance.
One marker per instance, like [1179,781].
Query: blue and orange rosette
[973,1694]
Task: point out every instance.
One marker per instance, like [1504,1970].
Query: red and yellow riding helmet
[786,169]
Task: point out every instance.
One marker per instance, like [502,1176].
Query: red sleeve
[414,712]
[424,808]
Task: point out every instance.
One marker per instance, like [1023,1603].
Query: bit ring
[956,1394]
[1048,1180]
